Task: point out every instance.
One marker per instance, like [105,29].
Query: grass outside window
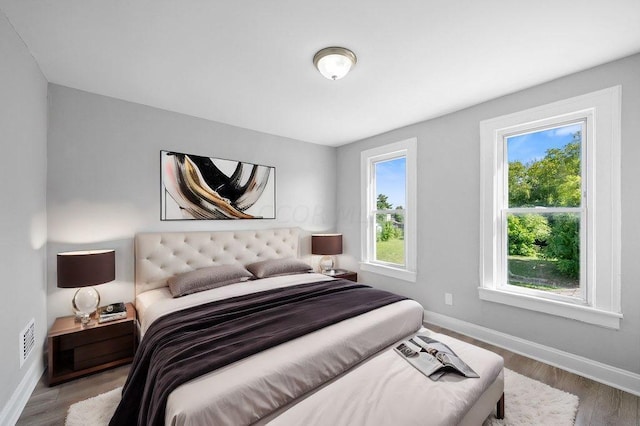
[539,274]
[391,251]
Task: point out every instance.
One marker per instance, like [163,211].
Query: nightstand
[76,350]
[343,273]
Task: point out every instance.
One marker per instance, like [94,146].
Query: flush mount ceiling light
[334,62]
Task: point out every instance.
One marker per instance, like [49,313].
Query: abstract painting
[204,188]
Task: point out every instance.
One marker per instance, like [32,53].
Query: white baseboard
[603,373]
[12,410]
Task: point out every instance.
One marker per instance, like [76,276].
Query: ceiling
[248,63]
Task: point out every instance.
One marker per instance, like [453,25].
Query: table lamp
[85,269]
[327,245]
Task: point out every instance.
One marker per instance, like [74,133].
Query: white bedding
[254,388]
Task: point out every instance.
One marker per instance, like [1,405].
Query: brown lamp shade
[326,244]
[86,268]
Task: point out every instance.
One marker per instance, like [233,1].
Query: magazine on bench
[432,357]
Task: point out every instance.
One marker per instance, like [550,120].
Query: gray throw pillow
[275,267]
[206,279]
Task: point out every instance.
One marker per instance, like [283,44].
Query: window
[388,206]
[543,212]
[550,225]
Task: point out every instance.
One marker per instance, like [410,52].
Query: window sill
[401,274]
[553,307]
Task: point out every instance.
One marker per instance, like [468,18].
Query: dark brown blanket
[186,344]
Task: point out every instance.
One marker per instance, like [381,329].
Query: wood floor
[599,404]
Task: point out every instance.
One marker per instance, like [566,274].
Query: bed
[342,374]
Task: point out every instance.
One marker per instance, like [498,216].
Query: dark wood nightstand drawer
[351,276]
[87,356]
[93,335]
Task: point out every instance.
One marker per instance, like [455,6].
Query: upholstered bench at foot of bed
[387,390]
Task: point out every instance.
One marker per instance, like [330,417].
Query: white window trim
[408,148]
[603,246]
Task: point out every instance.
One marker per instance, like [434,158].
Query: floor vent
[27,341]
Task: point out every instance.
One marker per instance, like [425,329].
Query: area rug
[530,402]
[527,402]
[96,411]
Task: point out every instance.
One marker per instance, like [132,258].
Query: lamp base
[326,264]
[83,319]
[85,303]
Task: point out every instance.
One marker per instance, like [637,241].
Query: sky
[391,180]
[530,147]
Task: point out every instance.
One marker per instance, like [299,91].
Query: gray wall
[104,179]
[23,132]
[449,209]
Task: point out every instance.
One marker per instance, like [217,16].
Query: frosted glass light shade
[334,62]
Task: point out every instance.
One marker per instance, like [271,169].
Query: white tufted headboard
[161,255]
